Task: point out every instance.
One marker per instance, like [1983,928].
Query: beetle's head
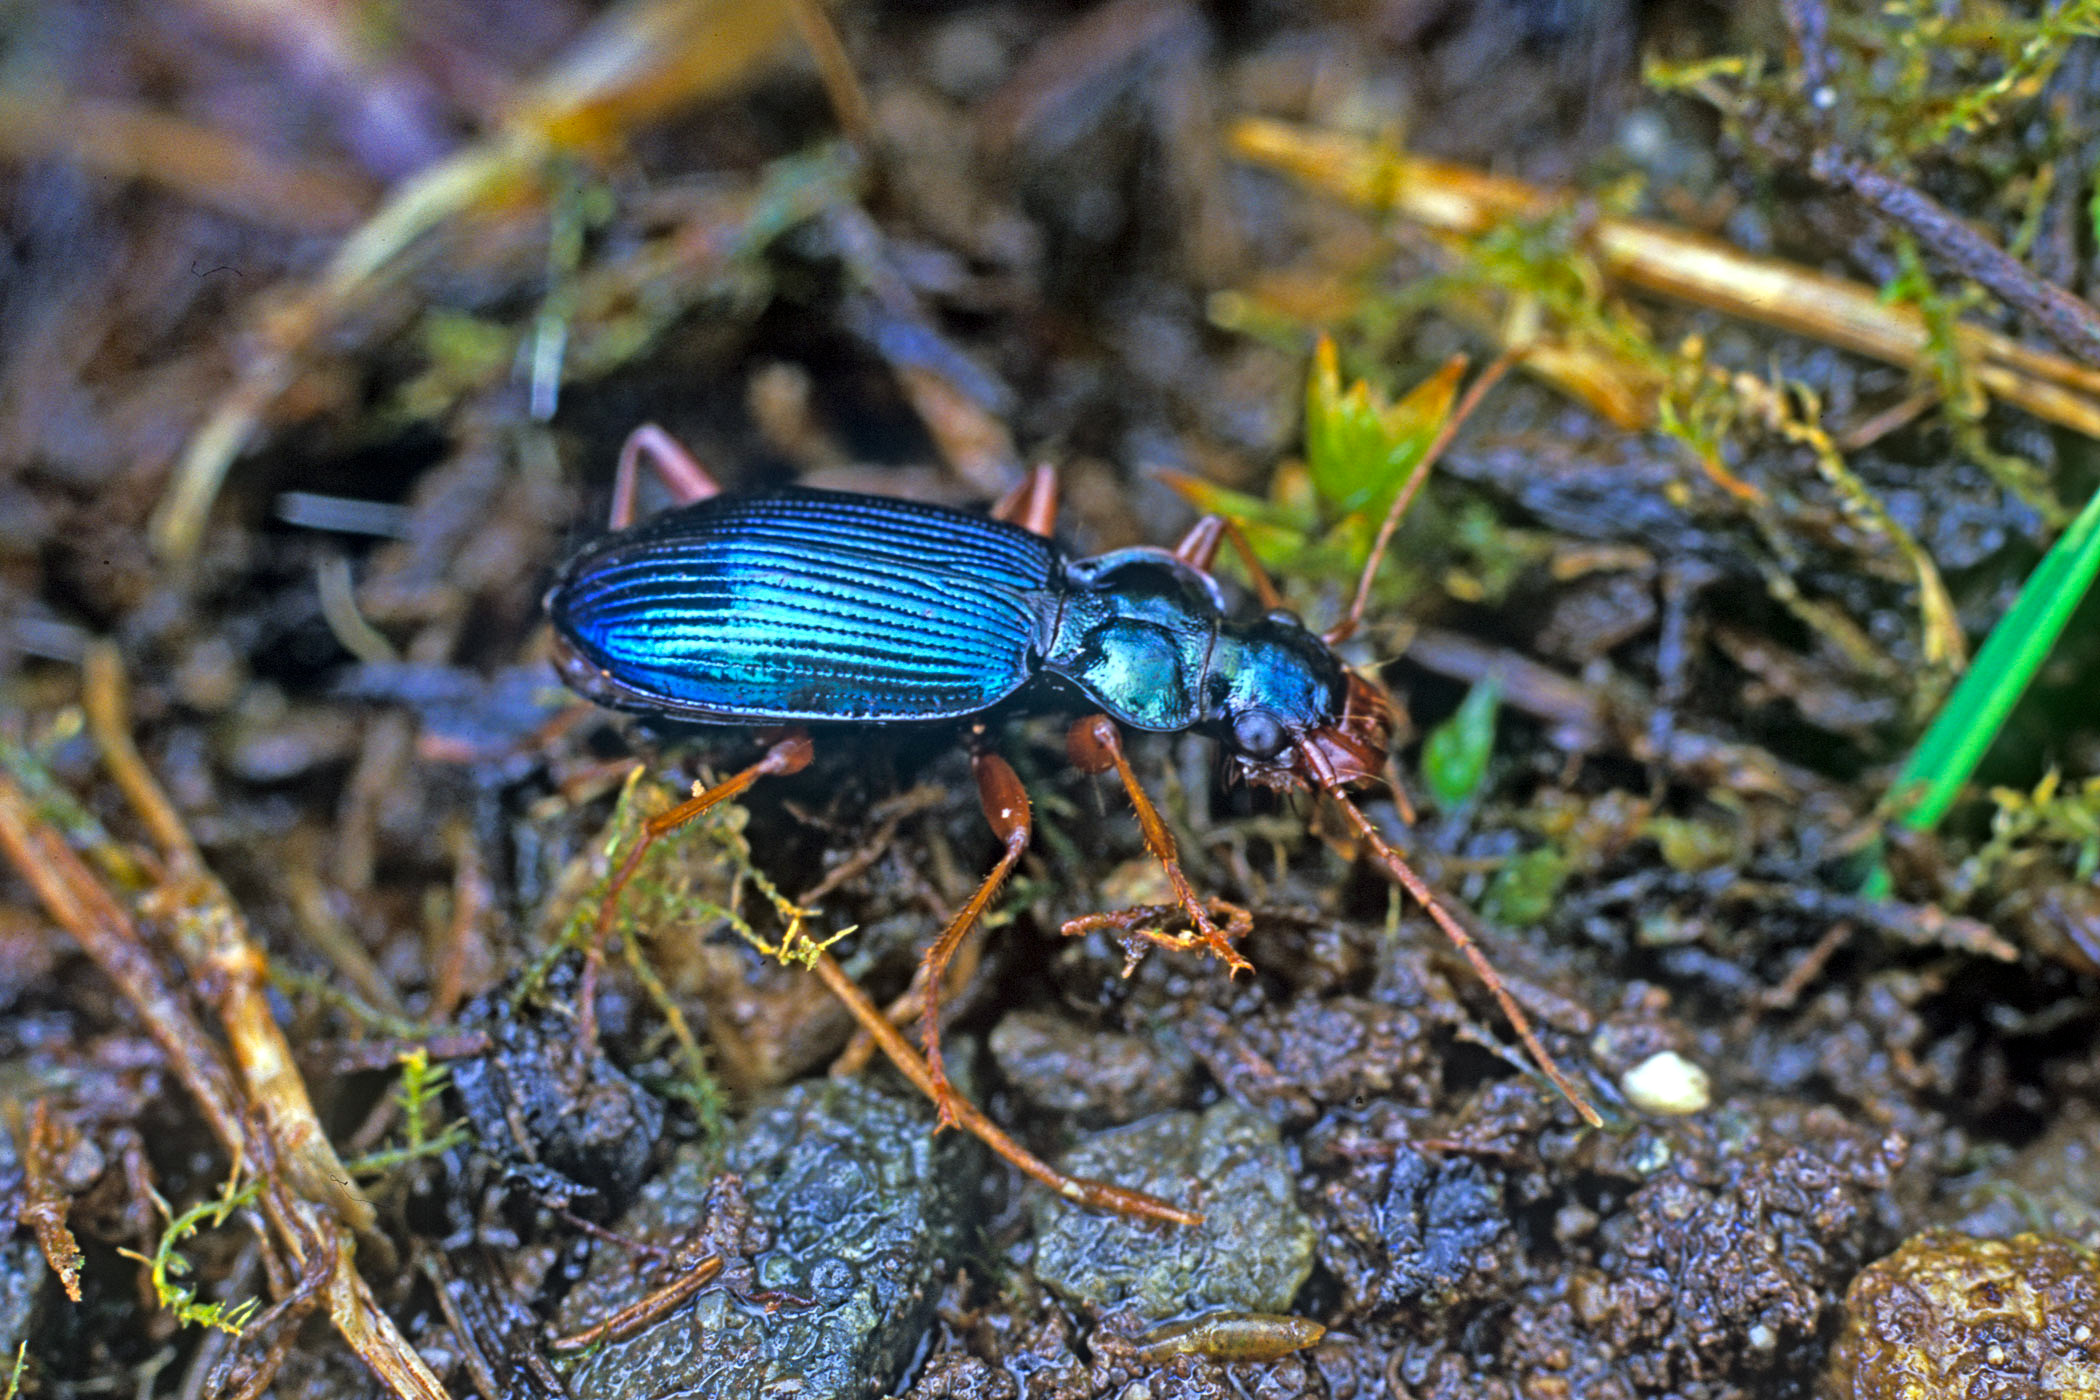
[1349,748]
[1290,715]
[1353,749]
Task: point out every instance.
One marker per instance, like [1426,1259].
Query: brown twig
[2064,318]
[645,1311]
[310,1200]
[1677,264]
[212,940]
[2069,321]
[45,1201]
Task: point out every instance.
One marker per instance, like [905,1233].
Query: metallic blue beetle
[821,608]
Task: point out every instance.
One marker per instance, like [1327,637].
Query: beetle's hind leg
[790,754]
[1006,808]
[1033,504]
[1098,1195]
[1096,746]
[674,464]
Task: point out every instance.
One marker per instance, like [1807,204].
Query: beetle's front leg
[1006,808]
[1095,744]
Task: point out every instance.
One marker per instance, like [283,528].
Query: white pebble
[1669,1084]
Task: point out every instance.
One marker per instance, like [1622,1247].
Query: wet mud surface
[1846,1069]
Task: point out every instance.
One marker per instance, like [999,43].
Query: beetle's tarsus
[1096,745]
[1139,924]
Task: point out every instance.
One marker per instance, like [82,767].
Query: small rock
[1253,1250]
[1099,1077]
[1668,1084]
[2052,1186]
[1948,1317]
[867,1212]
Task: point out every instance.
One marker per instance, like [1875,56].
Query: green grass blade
[1940,765]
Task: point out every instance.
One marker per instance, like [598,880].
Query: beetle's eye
[1284,617]
[1257,734]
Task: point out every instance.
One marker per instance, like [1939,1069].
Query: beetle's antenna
[1489,377]
[1404,874]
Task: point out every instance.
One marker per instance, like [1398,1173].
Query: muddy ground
[991,235]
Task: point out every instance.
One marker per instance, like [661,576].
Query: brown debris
[263,1117]
[46,1201]
[1685,266]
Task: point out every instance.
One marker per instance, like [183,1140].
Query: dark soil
[1041,249]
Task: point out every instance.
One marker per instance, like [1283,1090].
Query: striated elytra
[815,606]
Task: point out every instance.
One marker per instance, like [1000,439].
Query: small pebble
[1669,1084]
[1949,1317]
[1252,1253]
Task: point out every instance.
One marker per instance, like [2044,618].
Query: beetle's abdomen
[807,605]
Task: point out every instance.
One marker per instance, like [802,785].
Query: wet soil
[1035,246]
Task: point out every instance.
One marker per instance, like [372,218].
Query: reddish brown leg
[1006,808]
[1199,547]
[790,755]
[677,468]
[1096,746]
[1098,1195]
[1033,504]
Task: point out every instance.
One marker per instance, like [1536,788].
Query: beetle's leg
[1098,1195]
[1006,808]
[1033,504]
[790,754]
[1199,547]
[675,466]
[1129,925]
[1096,746]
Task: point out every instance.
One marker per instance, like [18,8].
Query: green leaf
[1455,756]
[1524,889]
[1362,450]
[1933,777]
[1254,514]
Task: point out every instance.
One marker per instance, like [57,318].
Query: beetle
[804,608]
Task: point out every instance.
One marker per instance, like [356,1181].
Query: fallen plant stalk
[264,1115]
[1685,266]
[636,63]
